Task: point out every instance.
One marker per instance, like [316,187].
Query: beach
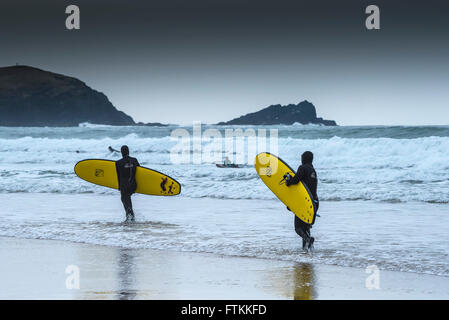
[36,269]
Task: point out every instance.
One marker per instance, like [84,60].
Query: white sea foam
[383,169]
[92,125]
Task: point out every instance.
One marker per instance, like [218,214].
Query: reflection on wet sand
[304,282]
[126,275]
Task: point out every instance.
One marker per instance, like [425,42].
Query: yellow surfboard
[103,173]
[297,198]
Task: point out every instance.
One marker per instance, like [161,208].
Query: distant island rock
[303,113]
[33,97]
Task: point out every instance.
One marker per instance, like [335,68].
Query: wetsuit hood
[125,151]
[307,157]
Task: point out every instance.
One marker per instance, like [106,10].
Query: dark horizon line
[234,125]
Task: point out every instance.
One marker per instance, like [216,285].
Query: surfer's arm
[137,165]
[297,177]
[134,169]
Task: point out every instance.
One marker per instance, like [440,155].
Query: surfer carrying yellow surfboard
[126,174]
[307,175]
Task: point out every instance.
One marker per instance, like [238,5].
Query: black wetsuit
[126,173]
[307,174]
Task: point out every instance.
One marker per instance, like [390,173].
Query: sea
[384,192]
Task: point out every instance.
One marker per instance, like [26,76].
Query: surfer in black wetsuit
[307,174]
[126,173]
[111,149]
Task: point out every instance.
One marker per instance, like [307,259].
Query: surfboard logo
[99,173]
[163,183]
[171,187]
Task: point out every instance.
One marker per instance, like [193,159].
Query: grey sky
[178,61]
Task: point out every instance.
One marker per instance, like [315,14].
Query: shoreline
[347,233]
[36,269]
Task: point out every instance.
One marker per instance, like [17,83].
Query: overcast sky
[178,61]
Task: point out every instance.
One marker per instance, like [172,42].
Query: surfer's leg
[127,204]
[130,212]
[309,243]
[303,231]
[124,198]
[130,208]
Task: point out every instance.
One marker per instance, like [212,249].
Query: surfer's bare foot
[305,245]
[130,217]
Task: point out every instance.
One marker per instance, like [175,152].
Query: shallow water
[409,237]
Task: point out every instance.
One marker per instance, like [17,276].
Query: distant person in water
[307,174]
[126,173]
[227,162]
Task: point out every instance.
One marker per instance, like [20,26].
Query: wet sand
[36,269]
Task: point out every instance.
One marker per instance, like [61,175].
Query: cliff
[303,112]
[33,97]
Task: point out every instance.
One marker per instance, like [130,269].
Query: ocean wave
[380,169]
[93,125]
